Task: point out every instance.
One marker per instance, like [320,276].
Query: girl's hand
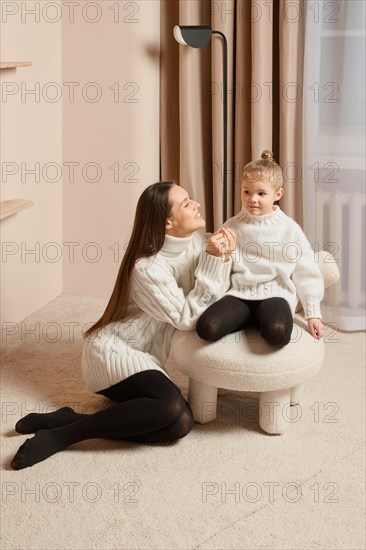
[231,239]
[221,243]
[316,328]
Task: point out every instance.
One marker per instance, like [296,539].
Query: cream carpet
[226,485]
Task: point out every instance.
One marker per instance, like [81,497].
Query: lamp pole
[224,61]
[198,36]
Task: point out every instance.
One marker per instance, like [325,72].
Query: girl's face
[258,196]
[185,217]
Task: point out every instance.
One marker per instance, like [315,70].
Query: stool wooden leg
[272,410]
[296,394]
[202,400]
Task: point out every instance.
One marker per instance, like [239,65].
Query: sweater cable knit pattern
[168,291]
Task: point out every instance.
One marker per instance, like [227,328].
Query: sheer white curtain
[334,150]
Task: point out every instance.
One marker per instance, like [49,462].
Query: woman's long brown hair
[147,238]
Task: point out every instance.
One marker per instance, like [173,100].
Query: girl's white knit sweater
[273,258]
[168,291]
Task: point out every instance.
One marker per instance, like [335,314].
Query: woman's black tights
[149,408]
[230,314]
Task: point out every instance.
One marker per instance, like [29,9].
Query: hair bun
[267,155]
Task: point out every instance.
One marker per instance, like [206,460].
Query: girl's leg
[275,321]
[150,403]
[223,317]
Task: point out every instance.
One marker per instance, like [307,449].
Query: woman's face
[185,217]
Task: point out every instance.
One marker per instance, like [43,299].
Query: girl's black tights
[230,314]
[149,408]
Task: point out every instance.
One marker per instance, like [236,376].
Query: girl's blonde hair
[264,168]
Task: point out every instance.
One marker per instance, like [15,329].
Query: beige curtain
[265,67]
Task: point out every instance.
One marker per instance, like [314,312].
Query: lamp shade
[195,36]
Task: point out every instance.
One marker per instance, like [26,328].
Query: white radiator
[340,226]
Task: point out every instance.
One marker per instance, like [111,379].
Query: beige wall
[30,134]
[119,54]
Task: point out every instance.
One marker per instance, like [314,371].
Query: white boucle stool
[243,361]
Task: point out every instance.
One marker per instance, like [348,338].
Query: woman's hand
[316,328]
[221,243]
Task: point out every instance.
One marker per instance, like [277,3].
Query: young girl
[273,265]
[167,278]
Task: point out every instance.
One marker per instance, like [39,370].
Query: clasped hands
[221,243]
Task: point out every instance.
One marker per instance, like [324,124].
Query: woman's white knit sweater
[168,291]
[273,258]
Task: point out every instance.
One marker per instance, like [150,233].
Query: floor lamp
[198,36]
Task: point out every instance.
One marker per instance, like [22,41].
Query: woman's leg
[128,389]
[150,403]
[275,321]
[33,422]
[122,391]
[223,317]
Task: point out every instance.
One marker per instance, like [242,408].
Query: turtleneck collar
[174,246]
[273,217]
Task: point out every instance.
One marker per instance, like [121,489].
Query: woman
[167,278]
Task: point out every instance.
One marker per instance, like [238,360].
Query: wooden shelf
[14,64]
[13,206]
